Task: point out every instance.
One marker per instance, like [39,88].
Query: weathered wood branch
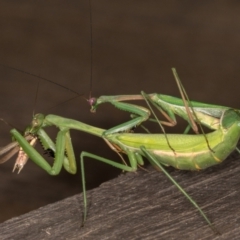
[142,205]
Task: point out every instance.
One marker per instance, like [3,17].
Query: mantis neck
[72,124]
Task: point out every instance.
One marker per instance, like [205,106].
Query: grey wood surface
[142,205]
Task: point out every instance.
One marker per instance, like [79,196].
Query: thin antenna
[91,100]
[7,123]
[35,100]
[45,79]
[91,51]
[50,81]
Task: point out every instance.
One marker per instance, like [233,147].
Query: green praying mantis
[182,151]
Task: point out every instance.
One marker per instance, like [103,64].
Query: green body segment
[207,114]
[66,123]
[174,103]
[190,151]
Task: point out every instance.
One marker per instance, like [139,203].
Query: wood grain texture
[142,205]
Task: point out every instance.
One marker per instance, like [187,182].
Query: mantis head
[94,102]
[37,123]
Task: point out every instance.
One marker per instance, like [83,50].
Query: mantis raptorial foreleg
[62,145]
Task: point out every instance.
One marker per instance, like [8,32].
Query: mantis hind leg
[156,163]
[133,167]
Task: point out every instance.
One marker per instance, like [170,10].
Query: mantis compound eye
[92,101]
[37,120]
[34,122]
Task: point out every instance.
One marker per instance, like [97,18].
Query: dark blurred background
[135,44]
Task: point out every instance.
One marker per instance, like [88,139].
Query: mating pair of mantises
[181,151]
